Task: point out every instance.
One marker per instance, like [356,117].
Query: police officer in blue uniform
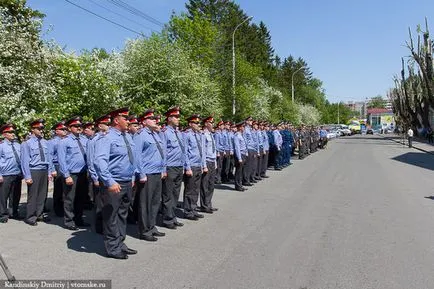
[194,167]
[60,131]
[265,150]
[278,141]
[102,124]
[252,148]
[176,158]
[220,147]
[71,153]
[208,177]
[151,162]
[10,174]
[36,165]
[240,156]
[115,165]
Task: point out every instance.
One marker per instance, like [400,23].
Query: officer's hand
[143,180]
[69,181]
[189,173]
[205,170]
[1,179]
[240,161]
[29,181]
[163,175]
[54,174]
[231,153]
[96,184]
[115,188]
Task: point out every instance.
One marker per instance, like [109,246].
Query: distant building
[359,107]
[381,118]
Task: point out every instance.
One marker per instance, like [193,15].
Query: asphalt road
[356,215]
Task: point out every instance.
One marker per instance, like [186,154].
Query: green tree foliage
[377,102]
[159,74]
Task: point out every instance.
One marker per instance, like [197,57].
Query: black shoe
[158,234]
[4,220]
[120,256]
[72,228]
[178,224]
[148,238]
[218,183]
[16,217]
[129,251]
[253,181]
[247,184]
[240,189]
[198,215]
[258,179]
[31,223]
[170,226]
[82,224]
[191,217]
[208,211]
[214,209]
[277,169]
[265,177]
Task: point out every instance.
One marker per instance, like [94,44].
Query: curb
[414,147]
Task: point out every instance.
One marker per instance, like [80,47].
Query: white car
[331,134]
[345,131]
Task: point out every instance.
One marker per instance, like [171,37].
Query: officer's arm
[102,156]
[25,161]
[2,164]
[138,146]
[237,149]
[185,137]
[90,162]
[51,168]
[61,158]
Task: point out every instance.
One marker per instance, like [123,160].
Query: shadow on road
[86,241]
[422,160]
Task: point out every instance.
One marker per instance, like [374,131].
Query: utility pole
[338,113]
[233,63]
[292,82]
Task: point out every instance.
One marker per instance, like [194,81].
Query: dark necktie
[130,152]
[198,145]
[17,158]
[80,145]
[212,142]
[158,145]
[180,143]
[41,150]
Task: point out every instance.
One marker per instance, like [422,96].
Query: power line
[136,12]
[131,20]
[102,17]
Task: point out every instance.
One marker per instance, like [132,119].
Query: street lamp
[233,63]
[293,81]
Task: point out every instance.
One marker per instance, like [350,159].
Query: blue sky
[353,46]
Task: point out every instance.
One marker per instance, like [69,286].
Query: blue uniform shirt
[278,141]
[195,156]
[240,146]
[31,157]
[112,163]
[52,146]
[231,146]
[210,146]
[150,160]
[175,147]
[220,141]
[252,144]
[71,159]
[8,162]
[90,155]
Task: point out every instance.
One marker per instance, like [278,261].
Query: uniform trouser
[259,160]
[231,165]
[149,203]
[207,185]
[247,163]
[410,142]
[239,167]
[114,214]
[276,158]
[90,192]
[264,164]
[226,167]
[253,164]
[36,194]
[170,193]
[191,191]
[97,191]
[58,181]
[10,190]
[219,170]
[74,197]
[271,156]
